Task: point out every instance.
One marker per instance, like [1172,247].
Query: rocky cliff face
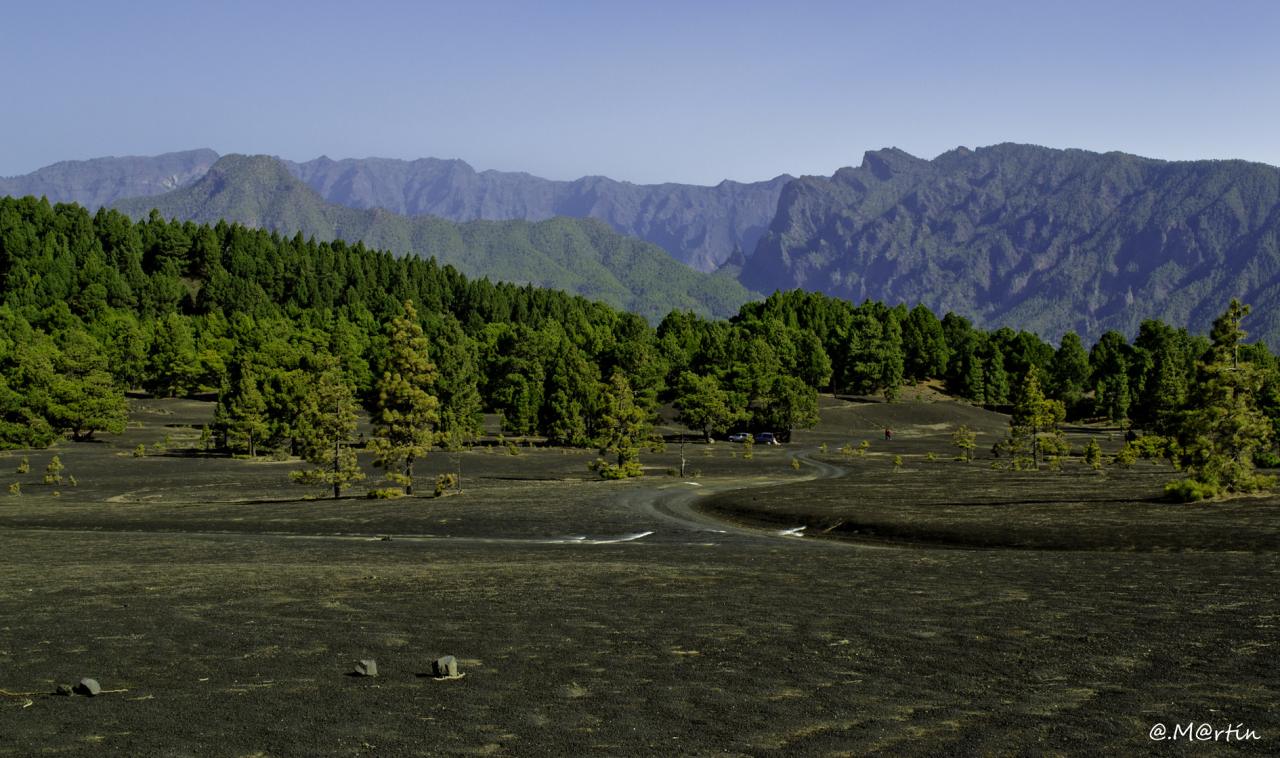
[1041,239]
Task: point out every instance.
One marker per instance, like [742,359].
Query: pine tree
[1223,424]
[1033,425]
[242,412]
[1069,370]
[83,397]
[623,430]
[704,405]
[406,411]
[325,425]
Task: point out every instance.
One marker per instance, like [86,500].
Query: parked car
[739,437]
[767,438]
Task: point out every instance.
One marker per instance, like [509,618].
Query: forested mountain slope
[1040,239]
[583,256]
[698,225]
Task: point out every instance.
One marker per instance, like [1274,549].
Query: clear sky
[644,91]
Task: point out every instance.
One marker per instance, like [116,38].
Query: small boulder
[88,687]
[445,667]
[367,667]
[63,689]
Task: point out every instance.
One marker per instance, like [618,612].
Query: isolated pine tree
[406,411]
[325,425]
[1033,425]
[623,430]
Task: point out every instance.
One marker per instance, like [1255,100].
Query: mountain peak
[884,164]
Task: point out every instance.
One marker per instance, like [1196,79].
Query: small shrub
[897,461]
[1127,455]
[56,493]
[795,463]
[965,441]
[1093,455]
[512,449]
[608,470]
[444,483]
[139,451]
[24,465]
[929,456]
[15,489]
[72,481]
[1189,490]
[53,472]
[385,493]
[863,447]
[822,448]
[847,450]
[280,455]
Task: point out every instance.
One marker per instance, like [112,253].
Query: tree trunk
[337,470]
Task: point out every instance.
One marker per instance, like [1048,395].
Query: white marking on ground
[796,532]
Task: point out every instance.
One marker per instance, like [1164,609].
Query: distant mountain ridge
[102,181]
[583,256]
[1040,239]
[698,225]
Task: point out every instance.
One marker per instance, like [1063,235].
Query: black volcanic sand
[949,609]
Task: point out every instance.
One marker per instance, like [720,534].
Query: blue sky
[654,91]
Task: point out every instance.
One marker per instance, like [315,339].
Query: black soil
[949,608]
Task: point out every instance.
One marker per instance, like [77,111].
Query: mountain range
[1039,239]
[583,256]
[698,225]
[1035,238]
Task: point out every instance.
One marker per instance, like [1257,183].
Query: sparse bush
[140,451]
[795,463]
[1127,455]
[385,493]
[897,462]
[1190,490]
[280,455]
[748,449]
[512,449]
[966,441]
[15,488]
[1093,455]
[53,472]
[847,450]
[822,448]
[24,465]
[929,456]
[72,481]
[608,470]
[863,447]
[444,483]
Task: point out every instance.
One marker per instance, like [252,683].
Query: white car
[739,437]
